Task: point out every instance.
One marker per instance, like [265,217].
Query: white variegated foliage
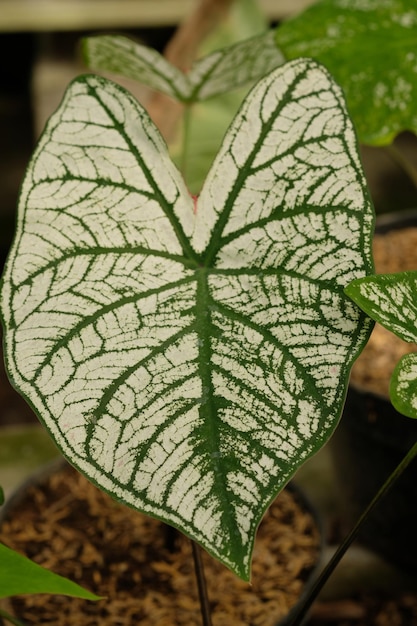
[391,300]
[217,73]
[188,356]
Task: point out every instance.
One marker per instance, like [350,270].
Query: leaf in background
[240,50]
[207,126]
[209,119]
[403,386]
[370,50]
[188,356]
[125,57]
[217,73]
[390,299]
[1,495]
[19,575]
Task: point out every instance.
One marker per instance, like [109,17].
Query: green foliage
[19,575]
[369,47]
[240,51]
[390,299]
[188,355]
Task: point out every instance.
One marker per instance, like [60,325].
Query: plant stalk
[402,162]
[301,613]
[181,51]
[185,140]
[201,584]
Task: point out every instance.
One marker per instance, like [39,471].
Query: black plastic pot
[370,441]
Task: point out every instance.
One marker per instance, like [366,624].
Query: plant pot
[372,436]
[370,441]
[145,568]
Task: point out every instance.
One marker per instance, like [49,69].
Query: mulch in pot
[145,568]
[367,609]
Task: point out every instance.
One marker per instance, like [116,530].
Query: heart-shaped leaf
[214,74]
[391,300]
[370,49]
[188,356]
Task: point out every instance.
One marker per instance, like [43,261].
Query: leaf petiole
[302,610]
[10,618]
[403,163]
[185,139]
[201,584]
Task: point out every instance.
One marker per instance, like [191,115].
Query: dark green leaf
[369,47]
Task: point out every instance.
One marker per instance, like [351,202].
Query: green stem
[298,616]
[185,139]
[10,619]
[402,162]
[201,584]
[198,562]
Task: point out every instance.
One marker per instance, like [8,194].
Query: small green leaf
[370,50]
[214,74]
[403,386]
[188,355]
[390,299]
[19,575]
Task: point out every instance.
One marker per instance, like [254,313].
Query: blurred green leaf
[19,575]
[370,49]
[210,118]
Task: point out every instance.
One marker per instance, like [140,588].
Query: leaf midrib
[208,411]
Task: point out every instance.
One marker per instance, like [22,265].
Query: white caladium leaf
[390,299]
[188,355]
[214,74]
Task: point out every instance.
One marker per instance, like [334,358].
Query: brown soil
[367,610]
[144,568]
[395,251]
